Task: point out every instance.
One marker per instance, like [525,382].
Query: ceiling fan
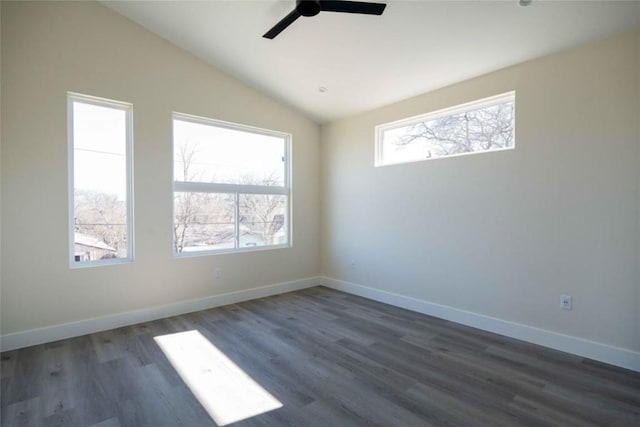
[313,7]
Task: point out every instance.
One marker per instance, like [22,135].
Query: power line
[98,151]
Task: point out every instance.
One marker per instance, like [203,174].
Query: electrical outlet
[353,263]
[217,273]
[565,302]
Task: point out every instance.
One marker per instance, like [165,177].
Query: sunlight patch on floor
[226,392]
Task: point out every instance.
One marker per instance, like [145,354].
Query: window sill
[229,251]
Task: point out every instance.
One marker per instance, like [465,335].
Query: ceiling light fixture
[524,3]
[323,89]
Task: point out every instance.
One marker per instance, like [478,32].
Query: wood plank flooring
[331,359]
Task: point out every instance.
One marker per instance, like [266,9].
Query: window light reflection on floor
[226,392]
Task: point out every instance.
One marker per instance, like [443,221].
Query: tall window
[480,126]
[100,140]
[231,187]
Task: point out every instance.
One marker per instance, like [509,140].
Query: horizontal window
[476,127]
[231,187]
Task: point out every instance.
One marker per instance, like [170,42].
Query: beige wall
[505,234]
[51,48]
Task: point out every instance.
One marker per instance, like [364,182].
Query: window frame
[128,109]
[456,109]
[236,189]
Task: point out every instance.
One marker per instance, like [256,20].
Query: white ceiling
[369,61]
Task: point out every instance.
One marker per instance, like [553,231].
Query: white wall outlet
[565,302]
[353,263]
[217,273]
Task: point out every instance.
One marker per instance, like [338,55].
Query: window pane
[203,221]
[486,128]
[213,154]
[225,161]
[100,182]
[262,220]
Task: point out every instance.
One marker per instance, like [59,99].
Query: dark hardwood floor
[331,359]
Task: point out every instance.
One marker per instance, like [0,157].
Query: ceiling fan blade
[352,7]
[280,26]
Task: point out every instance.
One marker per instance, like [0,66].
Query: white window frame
[458,109]
[236,189]
[128,109]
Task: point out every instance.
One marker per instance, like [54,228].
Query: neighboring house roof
[92,242]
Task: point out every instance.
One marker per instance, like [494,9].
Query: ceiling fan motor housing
[308,7]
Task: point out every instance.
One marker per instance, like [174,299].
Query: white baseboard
[97,324]
[590,349]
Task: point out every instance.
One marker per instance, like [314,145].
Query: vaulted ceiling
[368,61]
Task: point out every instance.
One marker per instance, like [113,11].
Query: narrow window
[476,127]
[100,190]
[231,187]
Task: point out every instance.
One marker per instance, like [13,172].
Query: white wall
[505,234]
[51,48]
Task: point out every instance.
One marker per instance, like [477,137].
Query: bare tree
[102,216]
[208,219]
[262,214]
[479,130]
[203,219]
[186,204]
[200,219]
